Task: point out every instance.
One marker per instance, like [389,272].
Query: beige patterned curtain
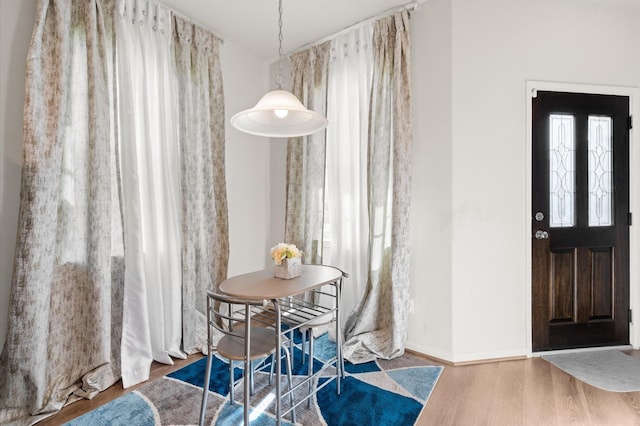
[377,327]
[306,155]
[65,314]
[205,251]
[66,302]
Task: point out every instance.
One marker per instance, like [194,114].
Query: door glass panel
[562,170]
[600,171]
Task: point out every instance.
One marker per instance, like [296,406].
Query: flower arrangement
[285,251]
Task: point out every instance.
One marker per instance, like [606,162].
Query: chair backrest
[223,314]
[325,295]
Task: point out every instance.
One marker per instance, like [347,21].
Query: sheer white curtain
[346,206]
[150,161]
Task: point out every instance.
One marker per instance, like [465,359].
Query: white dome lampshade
[279,114]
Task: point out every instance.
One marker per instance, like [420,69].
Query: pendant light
[279,113]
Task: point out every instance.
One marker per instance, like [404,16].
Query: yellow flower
[283,251]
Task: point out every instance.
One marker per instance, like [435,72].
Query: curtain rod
[410,7]
[193,21]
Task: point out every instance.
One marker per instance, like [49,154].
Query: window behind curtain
[346,224]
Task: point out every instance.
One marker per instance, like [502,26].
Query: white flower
[283,251]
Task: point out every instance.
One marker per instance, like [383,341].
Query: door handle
[541,235]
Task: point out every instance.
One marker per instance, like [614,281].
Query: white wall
[247,167]
[497,46]
[16,23]
[430,323]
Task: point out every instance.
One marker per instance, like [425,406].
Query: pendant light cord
[279,77]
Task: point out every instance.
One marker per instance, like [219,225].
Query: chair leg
[271,369]
[342,365]
[304,334]
[231,383]
[291,344]
[205,388]
[310,371]
[289,376]
[251,371]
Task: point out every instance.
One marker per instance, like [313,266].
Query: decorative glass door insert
[600,171]
[562,154]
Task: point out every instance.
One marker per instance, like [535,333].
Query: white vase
[289,268]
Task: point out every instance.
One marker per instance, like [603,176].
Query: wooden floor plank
[480,394]
[538,406]
[451,389]
[507,405]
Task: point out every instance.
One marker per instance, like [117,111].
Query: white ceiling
[253,24]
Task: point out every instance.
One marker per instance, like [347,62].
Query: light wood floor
[525,392]
[507,393]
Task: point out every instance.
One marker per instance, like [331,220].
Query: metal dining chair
[309,316]
[241,340]
[308,331]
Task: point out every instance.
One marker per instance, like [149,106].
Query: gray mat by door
[610,370]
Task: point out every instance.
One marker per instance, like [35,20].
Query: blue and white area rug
[383,392]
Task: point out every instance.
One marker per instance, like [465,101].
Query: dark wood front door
[580,220]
